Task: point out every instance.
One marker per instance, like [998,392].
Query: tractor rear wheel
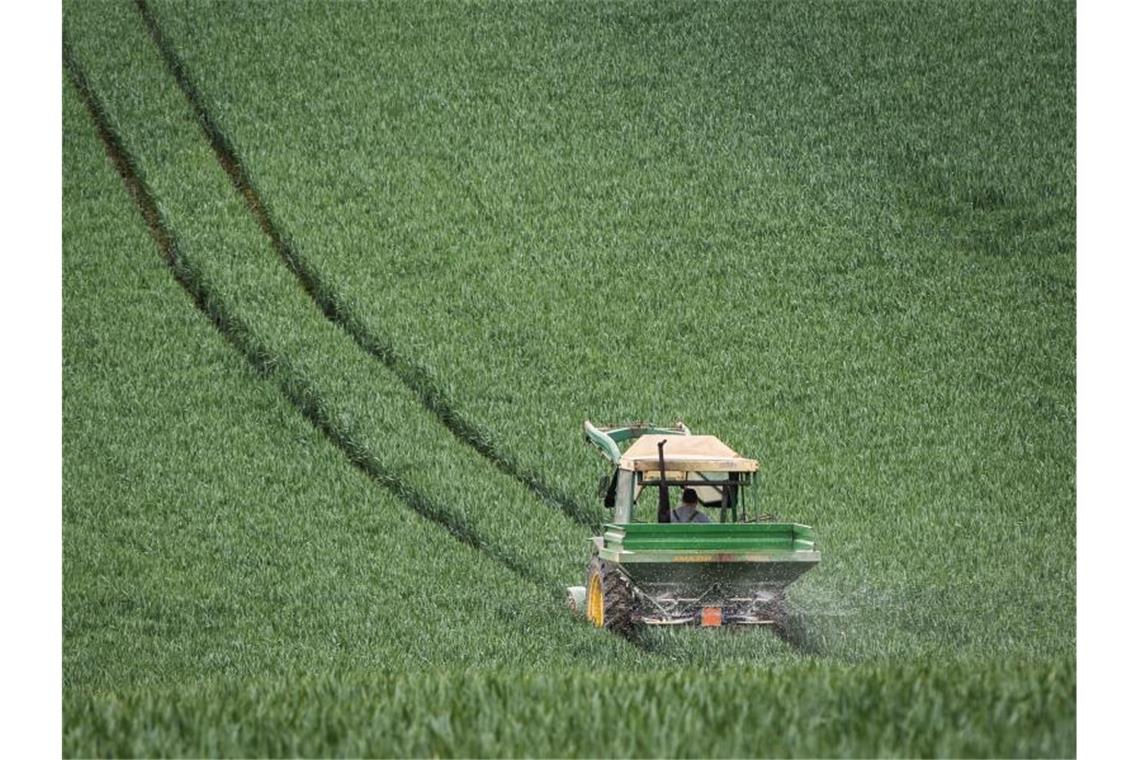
[609,597]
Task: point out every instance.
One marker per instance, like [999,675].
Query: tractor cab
[658,462]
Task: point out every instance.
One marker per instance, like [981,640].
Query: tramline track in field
[327,300]
[267,364]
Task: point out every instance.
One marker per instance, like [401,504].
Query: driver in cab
[690,509]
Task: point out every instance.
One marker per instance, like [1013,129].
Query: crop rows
[357,401]
[210,532]
[434,245]
[329,302]
[865,278]
[176,223]
[191,263]
[883,711]
[841,237]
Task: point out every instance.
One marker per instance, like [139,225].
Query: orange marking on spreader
[710,616]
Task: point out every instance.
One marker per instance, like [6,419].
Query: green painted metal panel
[607,439]
[710,537]
[621,435]
[737,557]
[605,442]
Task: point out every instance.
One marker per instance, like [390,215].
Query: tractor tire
[609,597]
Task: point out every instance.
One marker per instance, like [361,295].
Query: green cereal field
[341,282]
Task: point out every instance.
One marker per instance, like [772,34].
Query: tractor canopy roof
[685,453]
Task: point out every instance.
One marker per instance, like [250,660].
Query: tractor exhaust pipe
[664,512]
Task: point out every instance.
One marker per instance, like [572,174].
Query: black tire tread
[617,596]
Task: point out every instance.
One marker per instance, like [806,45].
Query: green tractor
[732,569]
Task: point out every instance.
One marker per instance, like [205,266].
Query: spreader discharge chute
[708,558]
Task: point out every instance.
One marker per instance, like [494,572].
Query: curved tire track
[327,300]
[267,364]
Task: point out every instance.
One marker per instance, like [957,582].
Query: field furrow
[303,397]
[333,306]
[359,403]
[209,532]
